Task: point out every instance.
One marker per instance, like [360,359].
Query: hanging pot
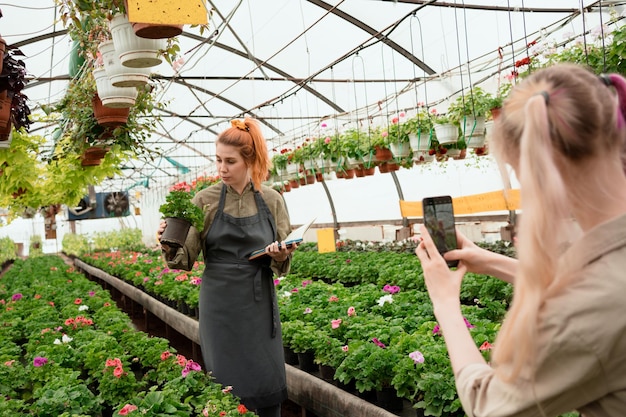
[93,155]
[419,142]
[111,96]
[176,231]
[400,149]
[5,135]
[109,116]
[119,75]
[133,51]
[154,30]
[446,133]
[383,154]
[5,110]
[473,126]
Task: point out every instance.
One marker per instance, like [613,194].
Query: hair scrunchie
[239,124]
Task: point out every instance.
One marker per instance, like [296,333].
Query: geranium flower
[39,361]
[92,293]
[78,301]
[83,308]
[118,372]
[351,311]
[385,299]
[227,389]
[391,289]
[333,298]
[436,330]
[417,356]
[242,409]
[378,343]
[17,296]
[308,310]
[128,408]
[335,323]
[468,324]
[165,355]
[345,348]
[485,346]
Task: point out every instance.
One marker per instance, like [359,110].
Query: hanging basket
[6,135]
[133,51]
[419,142]
[111,96]
[93,155]
[5,110]
[156,31]
[400,149]
[473,126]
[176,231]
[119,75]
[446,133]
[109,116]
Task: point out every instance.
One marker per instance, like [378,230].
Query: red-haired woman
[239,321]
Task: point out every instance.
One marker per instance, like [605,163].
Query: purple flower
[468,324]
[17,296]
[417,356]
[378,343]
[391,289]
[436,330]
[92,293]
[39,361]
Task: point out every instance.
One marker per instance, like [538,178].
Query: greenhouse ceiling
[305,68]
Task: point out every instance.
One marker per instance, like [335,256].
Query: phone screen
[439,221]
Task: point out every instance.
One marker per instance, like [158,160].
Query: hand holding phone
[439,221]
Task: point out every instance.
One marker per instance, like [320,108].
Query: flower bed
[67,350]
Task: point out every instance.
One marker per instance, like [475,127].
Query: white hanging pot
[419,142]
[446,133]
[111,96]
[120,75]
[473,126]
[135,52]
[475,141]
[400,149]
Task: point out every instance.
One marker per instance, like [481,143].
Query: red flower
[242,409]
[523,61]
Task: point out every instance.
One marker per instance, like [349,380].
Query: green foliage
[8,250]
[178,204]
[74,244]
[476,103]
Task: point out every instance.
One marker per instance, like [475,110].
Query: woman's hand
[482,261]
[443,284]
[160,230]
[280,251]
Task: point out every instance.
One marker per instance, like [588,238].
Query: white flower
[66,339]
[57,342]
[286,294]
[385,299]
[83,308]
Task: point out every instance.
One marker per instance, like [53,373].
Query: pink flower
[195,281]
[468,324]
[351,311]
[308,310]
[485,346]
[118,371]
[39,361]
[394,120]
[333,298]
[165,355]
[327,140]
[345,348]
[335,323]
[92,293]
[17,296]
[391,289]
[384,134]
[128,408]
[417,356]
[378,343]
[436,330]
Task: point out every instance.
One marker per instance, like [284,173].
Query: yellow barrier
[185,12]
[477,203]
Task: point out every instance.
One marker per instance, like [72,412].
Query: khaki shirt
[581,356]
[235,205]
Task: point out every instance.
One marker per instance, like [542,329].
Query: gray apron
[240,334]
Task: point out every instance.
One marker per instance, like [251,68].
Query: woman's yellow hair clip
[239,124]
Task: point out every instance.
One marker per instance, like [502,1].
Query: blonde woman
[240,332]
[562,345]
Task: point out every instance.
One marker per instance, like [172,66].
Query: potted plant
[420,130]
[398,138]
[180,214]
[445,130]
[470,111]
[12,82]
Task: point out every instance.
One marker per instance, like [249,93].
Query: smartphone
[439,221]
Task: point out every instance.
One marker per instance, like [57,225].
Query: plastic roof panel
[292,64]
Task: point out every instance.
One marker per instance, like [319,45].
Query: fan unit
[101,205]
[116,204]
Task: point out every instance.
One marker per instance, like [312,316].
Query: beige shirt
[581,358]
[236,205]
